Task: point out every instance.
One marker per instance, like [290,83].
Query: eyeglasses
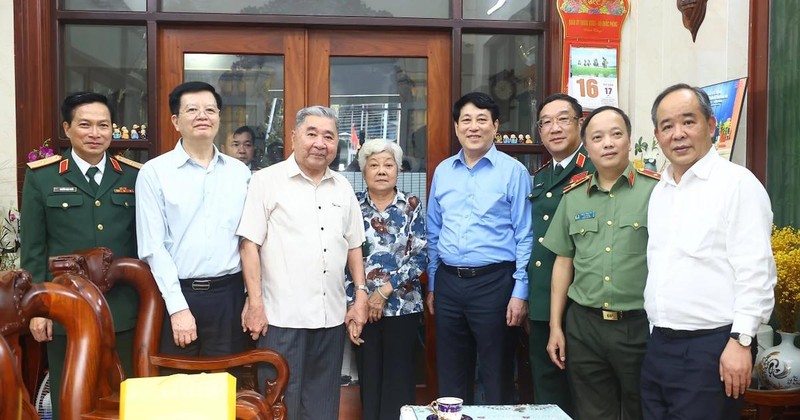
[193,111]
[562,121]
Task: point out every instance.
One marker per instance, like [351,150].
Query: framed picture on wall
[592,78]
[726,101]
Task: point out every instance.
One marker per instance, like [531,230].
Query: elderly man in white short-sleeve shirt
[301,225]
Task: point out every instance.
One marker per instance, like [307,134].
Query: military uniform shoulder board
[542,167]
[578,180]
[36,164]
[649,173]
[129,162]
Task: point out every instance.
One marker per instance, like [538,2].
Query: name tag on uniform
[65,189]
[585,215]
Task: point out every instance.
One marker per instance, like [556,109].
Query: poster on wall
[593,76]
[726,101]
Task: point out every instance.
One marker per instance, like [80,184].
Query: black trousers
[386,366]
[218,315]
[470,315]
[680,378]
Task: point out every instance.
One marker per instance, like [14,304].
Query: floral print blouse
[395,250]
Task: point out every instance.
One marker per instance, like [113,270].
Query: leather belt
[614,315]
[669,332]
[208,283]
[470,272]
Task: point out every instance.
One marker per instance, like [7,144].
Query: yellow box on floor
[179,397]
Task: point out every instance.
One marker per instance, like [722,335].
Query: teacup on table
[447,408]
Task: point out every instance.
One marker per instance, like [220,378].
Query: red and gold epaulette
[130,162]
[41,163]
[580,160]
[578,180]
[546,164]
[649,173]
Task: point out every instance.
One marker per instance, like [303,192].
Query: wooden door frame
[174,42]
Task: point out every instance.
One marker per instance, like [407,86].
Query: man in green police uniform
[67,210]
[599,234]
[560,118]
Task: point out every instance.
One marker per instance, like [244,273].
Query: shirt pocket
[123,200]
[64,201]
[585,236]
[632,234]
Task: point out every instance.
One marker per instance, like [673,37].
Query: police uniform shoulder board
[130,162]
[546,164]
[577,180]
[649,173]
[41,163]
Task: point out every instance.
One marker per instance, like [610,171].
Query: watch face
[745,340]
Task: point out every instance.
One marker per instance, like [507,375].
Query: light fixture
[496,6]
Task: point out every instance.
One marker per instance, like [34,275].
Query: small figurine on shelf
[506,140]
[135,132]
[528,139]
[125,134]
[513,139]
[143,132]
[115,133]
[498,138]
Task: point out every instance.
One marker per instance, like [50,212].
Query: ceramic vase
[779,366]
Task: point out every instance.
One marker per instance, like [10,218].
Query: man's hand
[735,368]
[355,320]
[556,347]
[41,329]
[184,330]
[429,302]
[516,312]
[254,319]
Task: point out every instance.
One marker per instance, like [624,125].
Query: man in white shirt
[711,269]
[188,205]
[301,225]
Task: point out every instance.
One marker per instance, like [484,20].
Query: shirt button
[324,271]
[606,278]
[608,249]
[324,249]
[546,217]
[541,240]
[126,204]
[611,195]
[635,224]
[322,228]
[538,263]
[583,230]
[100,227]
[549,194]
[64,205]
[605,304]
[319,207]
[97,203]
[609,223]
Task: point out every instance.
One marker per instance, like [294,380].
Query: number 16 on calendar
[593,77]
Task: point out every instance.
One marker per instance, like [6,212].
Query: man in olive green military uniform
[81,200]
[559,124]
[599,234]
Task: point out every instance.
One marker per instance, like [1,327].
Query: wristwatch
[364,288]
[744,340]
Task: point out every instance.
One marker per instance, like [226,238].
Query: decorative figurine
[115,133]
[125,134]
[498,138]
[505,139]
[528,139]
[143,132]
[135,132]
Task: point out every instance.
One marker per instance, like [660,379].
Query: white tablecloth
[492,412]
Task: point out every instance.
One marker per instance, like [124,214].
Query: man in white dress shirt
[711,269]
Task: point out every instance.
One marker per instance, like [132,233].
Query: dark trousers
[470,315]
[550,384]
[604,361]
[57,351]
[386,366]
[315,368]
[218,316]
[680,378]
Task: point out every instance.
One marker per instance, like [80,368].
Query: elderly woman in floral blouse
[395,254]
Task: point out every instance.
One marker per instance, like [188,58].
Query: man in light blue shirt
[479,243]
[188,205]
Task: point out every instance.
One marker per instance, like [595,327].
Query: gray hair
[316,111]
[702,99]
[374,146]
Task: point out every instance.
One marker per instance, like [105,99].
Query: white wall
[657,51]
[8,121]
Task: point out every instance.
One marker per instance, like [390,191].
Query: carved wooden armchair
[14,399]
[19,302]
[99,266]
